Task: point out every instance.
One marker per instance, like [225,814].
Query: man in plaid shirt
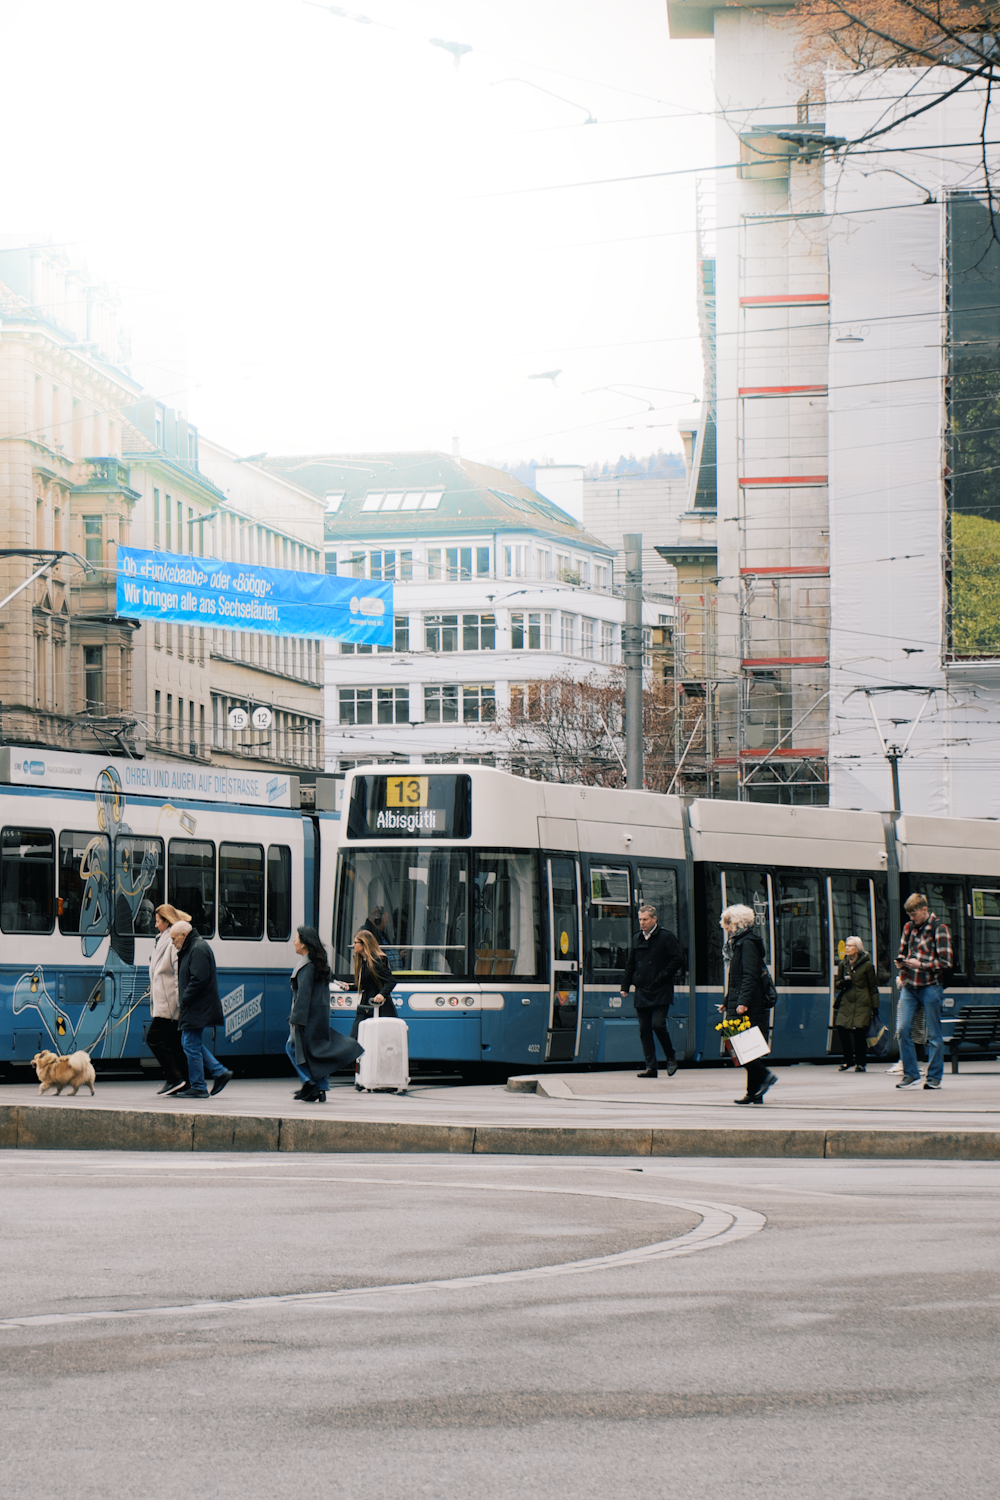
[925,962]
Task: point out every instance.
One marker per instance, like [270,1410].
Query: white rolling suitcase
[384,1066]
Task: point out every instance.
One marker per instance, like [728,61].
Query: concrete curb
[31,1128]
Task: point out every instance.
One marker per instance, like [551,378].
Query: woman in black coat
[373,977]
[311,1046]
[745,993]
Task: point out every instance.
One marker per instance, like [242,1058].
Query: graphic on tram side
[114,906]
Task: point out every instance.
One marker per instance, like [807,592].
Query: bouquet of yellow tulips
[733,1024]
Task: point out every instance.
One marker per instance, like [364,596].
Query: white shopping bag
[748,1045]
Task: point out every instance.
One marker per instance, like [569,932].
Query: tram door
[565,960]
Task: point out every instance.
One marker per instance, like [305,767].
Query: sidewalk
[811,1111]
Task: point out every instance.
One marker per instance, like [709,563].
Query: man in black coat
[654,961]
[200,1006]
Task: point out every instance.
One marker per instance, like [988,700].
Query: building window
[158,427]
[607,642]
[393,705]
[406,565]
[583,569]
[400,634]
[532,632]
[355,705]
[587,638]
[567,633]
[515,561]
[441,704]
[433,563]
[156,518]
[482,562]
[331,564]
[459,560]
[441,632]
[543,564]
[93,678]
[168,507]
[383,566]
[647,646]
[93,539]
[357,565]
[479,632]
[479,704]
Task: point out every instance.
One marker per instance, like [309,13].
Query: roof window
[373,500]
[392,500]
[333,502]
[412,500]
[432,500]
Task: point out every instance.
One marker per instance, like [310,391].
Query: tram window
[279,893]
[505,924]
[84,862]
[658,886]
[800,923]
[27,880]
[947,902]
[749,888]
[985,931]
[881,955]
[138,885]
[416,900]
[610,917]
[850,912]
[191,881]
[241,891]
[711,905]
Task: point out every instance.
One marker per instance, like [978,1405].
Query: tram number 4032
[406,791]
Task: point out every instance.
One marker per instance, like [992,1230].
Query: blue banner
[238,596]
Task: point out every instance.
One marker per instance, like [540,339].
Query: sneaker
[908,1083]
[191,1094]
[671,1066]
[220,1082]
[932,1083]
[896,1068]
[860,1069]
[175,1087]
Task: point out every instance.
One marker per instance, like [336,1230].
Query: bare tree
[562,728]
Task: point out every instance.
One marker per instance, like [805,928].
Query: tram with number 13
[505,906]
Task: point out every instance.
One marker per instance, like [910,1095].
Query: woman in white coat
[163,1037]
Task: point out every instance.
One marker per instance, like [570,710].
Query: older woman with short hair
[163,1037]
[857,1002]
[745,995]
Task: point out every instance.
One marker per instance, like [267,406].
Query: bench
[976,1026]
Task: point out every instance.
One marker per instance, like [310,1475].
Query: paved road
[796,1330]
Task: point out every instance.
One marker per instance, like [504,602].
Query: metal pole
[632,544]
[892,755]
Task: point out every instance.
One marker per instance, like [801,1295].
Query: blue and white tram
[90,847]
[507,907]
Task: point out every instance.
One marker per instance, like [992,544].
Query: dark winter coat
[375,981]
[198,985]
[857,993]
[652,965]
[316,1047]
[745,969]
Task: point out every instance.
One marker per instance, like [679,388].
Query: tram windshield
[442,911]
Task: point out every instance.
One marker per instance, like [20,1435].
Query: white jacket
[163,999]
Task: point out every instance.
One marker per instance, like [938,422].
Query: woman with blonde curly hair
[745,995]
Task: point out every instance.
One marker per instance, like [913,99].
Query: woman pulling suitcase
[373,978]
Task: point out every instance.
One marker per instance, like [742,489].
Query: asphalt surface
[369,1326]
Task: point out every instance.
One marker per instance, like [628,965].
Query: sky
[329,237]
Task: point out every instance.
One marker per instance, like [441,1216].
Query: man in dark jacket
[200,1006]
[654,961]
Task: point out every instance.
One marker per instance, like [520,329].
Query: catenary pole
[632,544]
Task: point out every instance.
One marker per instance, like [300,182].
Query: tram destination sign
[167,780]
[408,805]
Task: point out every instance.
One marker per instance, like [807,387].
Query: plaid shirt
[924,952]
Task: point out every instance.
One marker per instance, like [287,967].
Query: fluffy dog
[58,1072]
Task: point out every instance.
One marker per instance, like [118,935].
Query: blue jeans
[321,1083]
[199,1058]
[930,997]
